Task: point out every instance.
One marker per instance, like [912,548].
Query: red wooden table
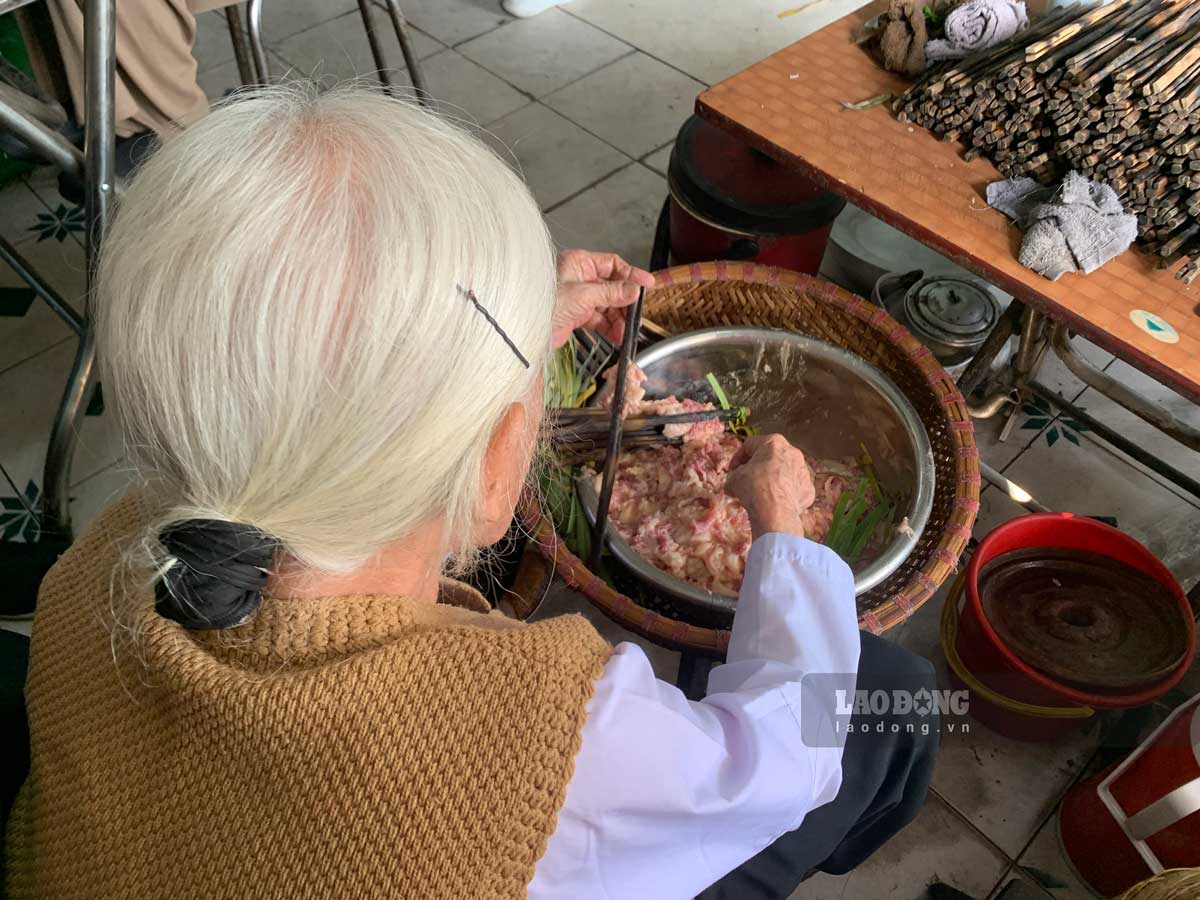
[788,107]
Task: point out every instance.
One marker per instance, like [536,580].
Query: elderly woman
[324,320]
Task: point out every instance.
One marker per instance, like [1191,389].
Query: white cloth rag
[1079,226]
[977,25]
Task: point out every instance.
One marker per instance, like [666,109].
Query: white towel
[977,25]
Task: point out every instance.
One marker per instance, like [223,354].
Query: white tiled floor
[585,101]
[545,53]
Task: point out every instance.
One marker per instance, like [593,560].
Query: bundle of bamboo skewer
[581,434]
[1112,92]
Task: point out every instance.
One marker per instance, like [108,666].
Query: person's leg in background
[885,777]
[156,87]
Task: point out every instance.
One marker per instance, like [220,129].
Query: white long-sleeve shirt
[668,795]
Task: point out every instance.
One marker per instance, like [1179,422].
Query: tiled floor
[585,100]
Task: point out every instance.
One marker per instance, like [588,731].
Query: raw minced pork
[670,505]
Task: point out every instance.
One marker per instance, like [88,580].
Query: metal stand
[366,11]
[258,49]
[410,54]
[99,23]
[1039,335]
[241,49]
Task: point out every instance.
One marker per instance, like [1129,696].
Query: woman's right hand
[772,480]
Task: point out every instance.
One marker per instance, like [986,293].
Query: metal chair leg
[16,117]
[241,49]
[56,477]
[46,293]
[257,48]
[409,51]
[381,66]
[99,23]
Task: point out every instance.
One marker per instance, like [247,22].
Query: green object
[869,469]
[721,398]
[880,514]
[856,519]
[565,388]
[844,517]
[877,100]
[12,50]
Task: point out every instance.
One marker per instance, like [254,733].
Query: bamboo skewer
[1110,91]
[632,326]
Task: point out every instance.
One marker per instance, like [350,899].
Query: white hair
[283,327]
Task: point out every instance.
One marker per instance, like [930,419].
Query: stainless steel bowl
[822,398]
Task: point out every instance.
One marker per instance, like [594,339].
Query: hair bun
[217,574]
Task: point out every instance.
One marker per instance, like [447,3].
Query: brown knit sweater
[348,747]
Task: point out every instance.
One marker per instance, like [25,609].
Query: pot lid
[951,310]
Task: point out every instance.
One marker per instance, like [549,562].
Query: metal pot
[950,315]
[822,398]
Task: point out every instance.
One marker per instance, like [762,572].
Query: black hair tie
[217,577]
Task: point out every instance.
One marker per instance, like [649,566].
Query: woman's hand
[773,482]
[593,291]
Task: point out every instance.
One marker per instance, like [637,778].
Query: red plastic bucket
[1141,816]
[996,666]
[729,201]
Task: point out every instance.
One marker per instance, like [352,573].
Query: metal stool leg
[257,48]
[410,53]
[99,24]
[241,50]
[381,66]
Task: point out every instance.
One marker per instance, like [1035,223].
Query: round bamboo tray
[707,295]
[1171,884]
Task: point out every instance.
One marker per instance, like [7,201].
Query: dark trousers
[885,777]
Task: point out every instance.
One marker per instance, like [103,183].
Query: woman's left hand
[593,291]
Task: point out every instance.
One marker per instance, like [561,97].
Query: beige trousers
[156,86]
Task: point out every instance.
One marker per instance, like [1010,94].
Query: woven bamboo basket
[707,295]
[1172,884]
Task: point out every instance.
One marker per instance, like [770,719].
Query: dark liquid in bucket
[1083,618]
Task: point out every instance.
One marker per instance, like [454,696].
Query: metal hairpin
[470,295]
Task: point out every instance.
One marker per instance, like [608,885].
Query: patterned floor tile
[1031,421]
[22,208]
[1054,374]
[32,391]
[26,334]
[1145,435]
